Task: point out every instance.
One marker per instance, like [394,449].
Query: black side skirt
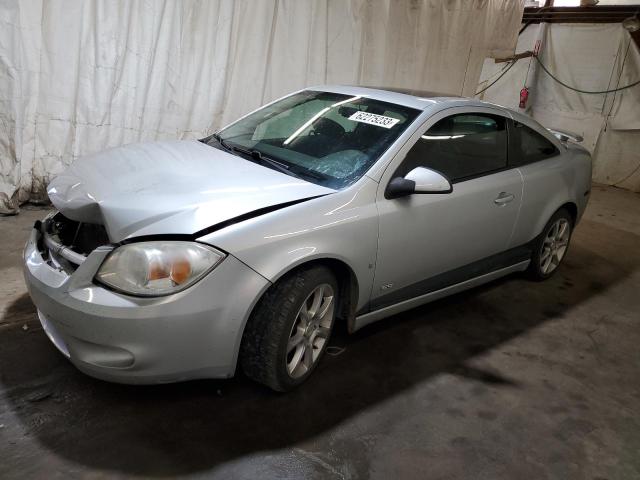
[452,277]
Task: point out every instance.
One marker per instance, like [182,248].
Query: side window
[530,146]
[461,146]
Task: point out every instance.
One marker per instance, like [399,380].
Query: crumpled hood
[176,187]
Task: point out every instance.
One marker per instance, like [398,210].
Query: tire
[288,332]
[551,246]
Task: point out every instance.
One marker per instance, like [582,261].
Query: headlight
[152,269]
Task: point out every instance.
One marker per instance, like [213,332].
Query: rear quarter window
[530,146]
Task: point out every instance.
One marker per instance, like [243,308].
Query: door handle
[504,198]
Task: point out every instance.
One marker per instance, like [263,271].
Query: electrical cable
[637,167]
[531,21]
[613,102]
[633,172]
[494,75]
[496,80]
[580,90]
[546,70]
[617,89]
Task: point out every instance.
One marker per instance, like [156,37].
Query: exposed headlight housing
[153,269]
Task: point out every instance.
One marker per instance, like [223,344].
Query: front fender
[341,226]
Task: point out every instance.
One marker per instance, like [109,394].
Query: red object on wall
[524,96]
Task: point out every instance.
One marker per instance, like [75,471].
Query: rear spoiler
[564,135]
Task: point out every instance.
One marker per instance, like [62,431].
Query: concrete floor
[514,380]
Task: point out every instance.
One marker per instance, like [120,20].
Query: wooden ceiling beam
[604,14]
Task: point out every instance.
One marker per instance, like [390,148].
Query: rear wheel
[289,330]
[552,246]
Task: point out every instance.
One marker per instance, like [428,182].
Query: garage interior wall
[80,76]
[590,57]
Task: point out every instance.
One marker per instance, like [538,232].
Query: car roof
[419,99]
[425,100]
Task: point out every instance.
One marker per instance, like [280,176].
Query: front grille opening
[80,237]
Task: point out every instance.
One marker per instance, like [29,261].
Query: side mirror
[418,180]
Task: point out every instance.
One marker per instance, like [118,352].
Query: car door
[430,241]
[546,180]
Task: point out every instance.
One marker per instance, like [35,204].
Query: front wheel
[289,330]
[552,246]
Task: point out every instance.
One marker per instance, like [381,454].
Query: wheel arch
[347,283]
[349,287]
[260,346]
[535,270]
[572,208]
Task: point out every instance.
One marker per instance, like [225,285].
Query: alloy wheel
[310,331]
[554,245]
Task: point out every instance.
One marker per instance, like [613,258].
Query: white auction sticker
[373,119]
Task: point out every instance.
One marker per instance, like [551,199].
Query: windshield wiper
[224,144]
[258,156]
[282,167]
[285,167]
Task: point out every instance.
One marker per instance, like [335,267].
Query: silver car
[177,260]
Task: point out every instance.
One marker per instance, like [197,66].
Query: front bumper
[195,333]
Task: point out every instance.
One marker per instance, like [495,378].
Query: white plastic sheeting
[80,76]
[590,57]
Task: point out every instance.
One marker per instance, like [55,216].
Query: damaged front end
[65,244]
